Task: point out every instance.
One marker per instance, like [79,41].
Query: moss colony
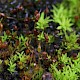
[39,40]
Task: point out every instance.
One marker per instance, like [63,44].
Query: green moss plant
[41,36]
[61,16]
[70,42]
[43,22]
[5,37]
[50,39]
[22,42]
[21,57]
[70,70]
[38,74]
[12,67]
